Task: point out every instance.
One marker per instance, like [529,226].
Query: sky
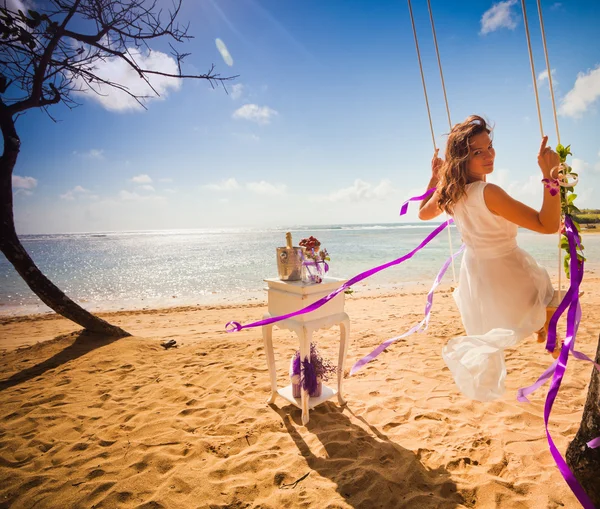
[325,123]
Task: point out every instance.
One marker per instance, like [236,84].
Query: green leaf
[566,265]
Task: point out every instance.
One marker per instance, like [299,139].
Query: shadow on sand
[84,343]
[369,469]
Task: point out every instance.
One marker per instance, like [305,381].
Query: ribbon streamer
[405,205]
[576,272]
[421,326]
[236,326]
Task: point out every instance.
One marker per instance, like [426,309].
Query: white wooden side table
[287,296]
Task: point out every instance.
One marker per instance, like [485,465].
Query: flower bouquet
[316,370]
[315,260]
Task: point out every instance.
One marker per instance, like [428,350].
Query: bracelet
[552,185]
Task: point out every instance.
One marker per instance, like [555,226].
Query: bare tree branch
[44,61]
[54,56]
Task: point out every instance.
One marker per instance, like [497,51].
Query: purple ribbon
[421,326]
[573,315]
[405,205]
[236,326]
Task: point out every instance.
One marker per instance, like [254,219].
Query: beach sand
[88,421]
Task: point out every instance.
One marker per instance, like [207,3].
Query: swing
[412,20]
[561,176]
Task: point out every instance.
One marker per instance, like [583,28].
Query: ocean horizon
[128,270]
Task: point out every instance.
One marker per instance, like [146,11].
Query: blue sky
[325,124]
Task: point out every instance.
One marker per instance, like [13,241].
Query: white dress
[502,297]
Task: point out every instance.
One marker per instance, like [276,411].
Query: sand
[87,421]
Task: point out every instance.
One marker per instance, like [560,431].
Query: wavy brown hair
[455,174]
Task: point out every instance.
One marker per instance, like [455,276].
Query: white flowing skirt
[502,300]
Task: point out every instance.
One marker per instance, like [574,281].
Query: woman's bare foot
[557,350]
[541,335]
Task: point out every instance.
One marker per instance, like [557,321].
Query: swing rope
[437,52]
[549,71]
[422,75]
[537,102]
[412,20]
[532,65]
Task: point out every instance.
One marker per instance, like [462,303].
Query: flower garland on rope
[567,180]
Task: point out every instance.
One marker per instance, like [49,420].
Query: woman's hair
[454,171]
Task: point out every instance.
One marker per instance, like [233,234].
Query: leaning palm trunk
[45,61]
[15,253]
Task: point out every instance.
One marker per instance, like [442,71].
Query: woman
[502,293]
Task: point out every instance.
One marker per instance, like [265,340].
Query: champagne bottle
[288,240]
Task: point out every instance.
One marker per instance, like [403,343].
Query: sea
[110,271]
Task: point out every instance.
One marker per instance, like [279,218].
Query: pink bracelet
[552,185]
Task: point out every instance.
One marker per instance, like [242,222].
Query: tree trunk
[11,246]
[583,461]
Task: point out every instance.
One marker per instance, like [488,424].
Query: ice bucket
[289,263]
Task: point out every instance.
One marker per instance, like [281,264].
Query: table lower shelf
[326,393]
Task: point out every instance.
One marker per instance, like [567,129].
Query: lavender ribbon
[421,326]
[405,205]
[546,375]
[561,365]
[236,326]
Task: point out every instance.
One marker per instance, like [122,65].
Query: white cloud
[500,15]
[129,196]
[266,188]
[251,137]
[118,71]
[23,182]
[225,185]
[166,179]
[71,193]
[597,165]
[255,113]
[543,76]
[224,52]
[237,90]
[93,153]
[579,165]
[585,198]
[147,187]
[528,191]
[16,5]
[555,6]
[142,179]
[584,93]
[23,185]
[500,177]
[360,191]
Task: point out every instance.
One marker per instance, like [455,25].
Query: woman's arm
[429,209]
[547,220]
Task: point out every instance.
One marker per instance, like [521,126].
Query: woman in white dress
[502,292]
